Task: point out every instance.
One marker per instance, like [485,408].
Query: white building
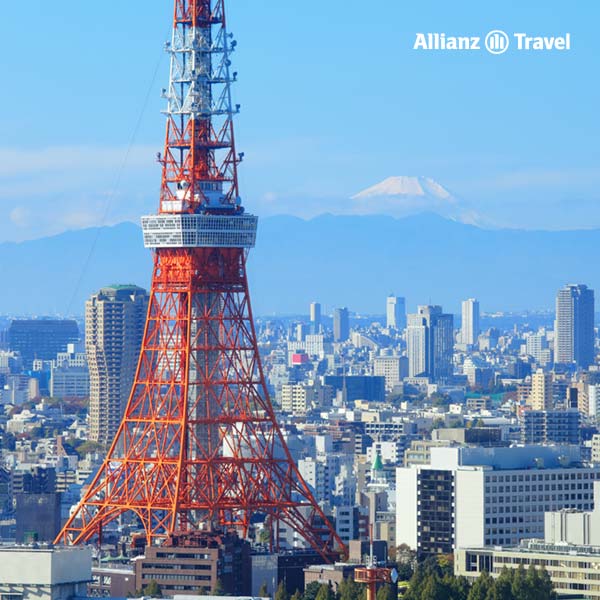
[362,341]
[536,346]
[395,312]
[45,573]
[474,496]
[391,451]
[345,525]
[469,332]
[10,362]
[390,368]
[416,340]
[313,344]
[593,394]
[581,528]
[320,474]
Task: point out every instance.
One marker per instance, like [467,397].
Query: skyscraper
[395,312]
[341,325]
[430,340]
[114,327]
[574,326]
[470,322]
[315,317]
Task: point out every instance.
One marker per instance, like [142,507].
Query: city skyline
[373,418]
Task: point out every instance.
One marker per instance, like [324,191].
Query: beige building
[297,399]
[574,570]
[570,552]
[114,327]
[419,452]
[540,397]
[331,575]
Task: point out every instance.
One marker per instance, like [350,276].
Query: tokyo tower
[199,448]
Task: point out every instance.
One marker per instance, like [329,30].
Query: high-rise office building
[470,322]
[474,496]
[574,326]
[430,341]
[114,327]
[395,312]
[341,325]
[41,338]
[315,317]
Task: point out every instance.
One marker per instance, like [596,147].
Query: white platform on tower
[199,231]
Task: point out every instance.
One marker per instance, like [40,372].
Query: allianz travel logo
[495,41]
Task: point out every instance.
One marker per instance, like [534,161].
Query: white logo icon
[497,42]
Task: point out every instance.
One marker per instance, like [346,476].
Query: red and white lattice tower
[199,448]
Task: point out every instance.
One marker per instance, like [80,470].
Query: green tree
[482,587]
[264,537]
[433,589]
[406,559]
[545,587]
[297,595]
[502,589]
[311,590]
[88,446]
[519,586]
[539,584]
[446,564]
[263,592]
[457,588]
[152,589]
[325,593]
[281,592]
[348,589]
[385,592]
[425,580]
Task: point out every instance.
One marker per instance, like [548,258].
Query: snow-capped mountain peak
[403,186]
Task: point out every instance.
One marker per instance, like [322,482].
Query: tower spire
[200,160]
[199,447]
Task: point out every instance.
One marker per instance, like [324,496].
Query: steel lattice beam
[199,446]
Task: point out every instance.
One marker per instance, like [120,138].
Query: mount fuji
[403,195]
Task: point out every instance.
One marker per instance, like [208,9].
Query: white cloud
[45,191]
[20,216]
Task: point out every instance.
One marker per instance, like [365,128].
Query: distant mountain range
[353,261]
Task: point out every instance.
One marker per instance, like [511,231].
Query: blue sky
[334,99]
